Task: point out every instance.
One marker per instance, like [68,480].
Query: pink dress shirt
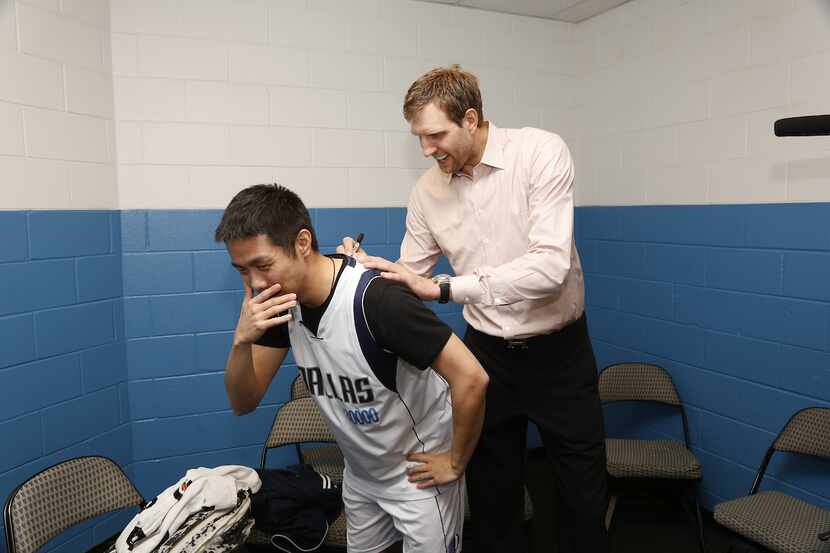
[507,232]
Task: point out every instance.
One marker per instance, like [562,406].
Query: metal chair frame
[8,519]
[756,483]
[687,442]
[298,390]
[762,469]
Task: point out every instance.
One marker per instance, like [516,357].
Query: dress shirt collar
[493,151]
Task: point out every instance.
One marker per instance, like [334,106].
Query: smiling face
[452,146]
[261,264]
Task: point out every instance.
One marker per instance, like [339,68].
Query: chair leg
[609,513]
[688,499]
[700,527]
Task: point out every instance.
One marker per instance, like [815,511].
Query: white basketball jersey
[379,407]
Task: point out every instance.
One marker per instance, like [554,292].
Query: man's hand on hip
[432,469]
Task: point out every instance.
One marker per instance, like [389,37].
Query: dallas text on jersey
[356,392]
[322,384]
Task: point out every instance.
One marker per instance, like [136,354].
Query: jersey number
[363,416]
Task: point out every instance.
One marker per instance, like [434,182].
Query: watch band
[444,288]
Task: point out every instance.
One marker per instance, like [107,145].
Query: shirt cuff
[466,289]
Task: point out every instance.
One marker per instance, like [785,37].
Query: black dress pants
[550,380]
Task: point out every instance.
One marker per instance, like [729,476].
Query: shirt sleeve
[275,337]
[419,250]
[543,268]
[402,324]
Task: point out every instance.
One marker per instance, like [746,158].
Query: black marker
[357,242]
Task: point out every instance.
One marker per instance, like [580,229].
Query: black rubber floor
[640,524]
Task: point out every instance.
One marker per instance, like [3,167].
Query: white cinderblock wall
[214,95]
[661,101]
[680,97]
[56,114]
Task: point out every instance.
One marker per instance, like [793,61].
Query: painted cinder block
[158,273]
[16,384]
[18,345]
[744,270]
[182,230]
[68,329]
[99,277]
[168,437]
[69,233]
[79,419]
[163,356]
[103,366]
[37,285]
[26,435]
[332,224]
[15,246]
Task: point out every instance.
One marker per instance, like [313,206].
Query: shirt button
[486,240]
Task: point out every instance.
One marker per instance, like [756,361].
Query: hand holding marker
[357,242]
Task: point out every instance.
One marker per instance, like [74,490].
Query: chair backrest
[807,432]
[637,382]
[64,495]
[298,388]
[298,421]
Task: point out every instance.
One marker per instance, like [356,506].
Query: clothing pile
[295,507]
[215,510]
[206,511]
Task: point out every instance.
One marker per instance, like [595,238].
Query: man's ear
[302,244]
[470,121]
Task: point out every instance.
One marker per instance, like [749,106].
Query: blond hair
[453,90]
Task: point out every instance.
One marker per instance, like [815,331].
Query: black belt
[566,333]
[518,343]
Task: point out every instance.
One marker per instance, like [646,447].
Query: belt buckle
[516,344]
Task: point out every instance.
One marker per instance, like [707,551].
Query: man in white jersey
[403,396]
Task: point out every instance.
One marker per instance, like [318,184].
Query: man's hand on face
[432,469]
[261,312]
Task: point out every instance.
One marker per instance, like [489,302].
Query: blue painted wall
[116,326]
[733,302]
[62,357]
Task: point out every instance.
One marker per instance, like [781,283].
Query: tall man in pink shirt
[499,204]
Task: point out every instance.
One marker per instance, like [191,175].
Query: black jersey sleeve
[402,324]
[275,337]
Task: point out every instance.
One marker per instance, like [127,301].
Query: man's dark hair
[269,209]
